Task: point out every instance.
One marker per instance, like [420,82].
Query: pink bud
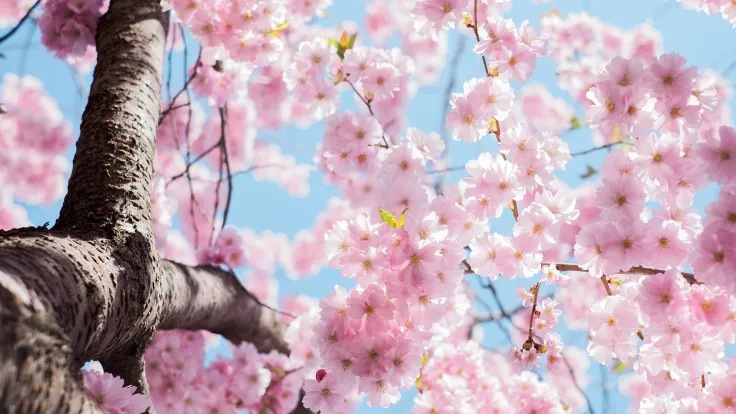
[321,374]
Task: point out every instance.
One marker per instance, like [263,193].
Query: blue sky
[706,41]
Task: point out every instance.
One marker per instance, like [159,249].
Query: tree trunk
[93,286]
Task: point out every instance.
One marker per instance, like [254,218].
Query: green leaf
[575,122]
[276,31]
[388,218]
[619,367]
[402,217]
[344,44]
[589,172]
[351,41]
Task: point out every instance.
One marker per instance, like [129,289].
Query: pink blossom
[372,307]
[328,394]
[670,78]
[110,394]
[526,256]
[491,256]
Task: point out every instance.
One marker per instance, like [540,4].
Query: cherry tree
[142,272]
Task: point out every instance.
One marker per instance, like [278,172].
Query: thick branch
[213,299]
[113,165]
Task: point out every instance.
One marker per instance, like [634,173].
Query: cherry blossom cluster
[630,98]
[408,296]
[513,51]
[431,17]
[465,378]
[33,141]
[180,382]
[68,30]
[379,76]
[278,104]
[248,30]
[407,267]
[384,18]
[545,112]
[218,78]
[481,101]
[685,328]
[582,44]
[727,8]
[110,393]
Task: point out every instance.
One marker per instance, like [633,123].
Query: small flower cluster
[630,98]
[581,45]
[33,139]
[408,277]
[512,51]
[685,328]
[545,112]
[463,378]
[68,29]
[220,79]
[180,382]
[431,17]
[110,393]
[384,18]
[247,29]
[473,110]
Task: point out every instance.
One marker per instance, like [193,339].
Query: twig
[444,170]
[20,23]
[477,36]
[534,311]
[370,109]
[575,381]
[183,89]
[196,160]
[606,285]
[588,151]
[223,122]
[636,270]
[497,132]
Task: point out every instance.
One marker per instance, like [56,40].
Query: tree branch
[113,165]
[636,270]
[213,299]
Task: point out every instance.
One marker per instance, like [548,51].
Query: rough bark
[94,287]
[113,165]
